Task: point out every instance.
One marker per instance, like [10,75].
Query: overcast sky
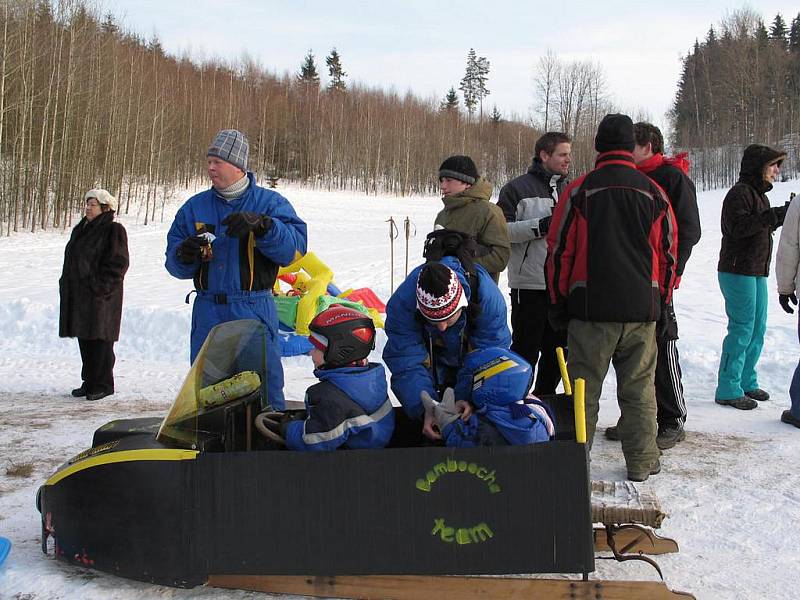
[421,45]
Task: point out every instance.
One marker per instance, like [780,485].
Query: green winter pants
[631,347]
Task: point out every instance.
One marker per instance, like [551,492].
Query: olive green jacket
[471,212]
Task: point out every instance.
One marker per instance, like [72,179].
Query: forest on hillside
[85,103]
[740,85]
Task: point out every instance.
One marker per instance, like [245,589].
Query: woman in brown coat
[95,262]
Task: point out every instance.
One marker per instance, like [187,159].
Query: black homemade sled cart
[201,498]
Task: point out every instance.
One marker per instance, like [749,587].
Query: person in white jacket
[786,272]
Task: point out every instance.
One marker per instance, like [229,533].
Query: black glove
[242,223]
[544,225]
[778,214]
[557,317]
[786,300]
[190,249]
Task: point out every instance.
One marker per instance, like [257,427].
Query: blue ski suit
[237,282]
[349,407]
[415,349]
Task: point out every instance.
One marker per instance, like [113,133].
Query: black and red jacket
[612,245]
[672,174]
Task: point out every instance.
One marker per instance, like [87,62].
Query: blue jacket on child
[496,381]
[349,407]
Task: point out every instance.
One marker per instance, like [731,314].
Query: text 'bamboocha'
[452,466]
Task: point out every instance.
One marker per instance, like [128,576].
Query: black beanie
[461,168]
[615,132]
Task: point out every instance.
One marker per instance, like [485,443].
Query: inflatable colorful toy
[312,290]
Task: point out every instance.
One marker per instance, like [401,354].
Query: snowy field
[733,502]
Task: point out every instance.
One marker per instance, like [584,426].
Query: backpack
[449,242]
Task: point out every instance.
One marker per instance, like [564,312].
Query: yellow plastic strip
[562,365]
[498,368]
[580,411]
[123,456]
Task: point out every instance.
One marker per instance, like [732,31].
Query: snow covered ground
[733,502]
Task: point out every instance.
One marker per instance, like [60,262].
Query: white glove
[444,412]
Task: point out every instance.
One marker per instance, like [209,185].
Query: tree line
[738,86]
[84,103]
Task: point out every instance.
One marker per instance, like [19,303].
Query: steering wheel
[268,424]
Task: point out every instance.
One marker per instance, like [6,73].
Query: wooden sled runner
[211,503]
[451,588]
[628,516]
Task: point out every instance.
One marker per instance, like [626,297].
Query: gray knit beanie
[231,146]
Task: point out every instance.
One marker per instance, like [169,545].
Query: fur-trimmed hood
[755,159]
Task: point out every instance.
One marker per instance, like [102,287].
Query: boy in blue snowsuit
[496,382]
[231,240]
[432,320]
[350,405]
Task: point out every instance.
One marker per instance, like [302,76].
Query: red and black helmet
[343,334]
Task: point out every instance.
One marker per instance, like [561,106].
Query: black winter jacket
[95,262]
[747,220]
[670,175]
[612,245]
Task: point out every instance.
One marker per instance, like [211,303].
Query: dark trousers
[669,388]
[98,365]
[533,338]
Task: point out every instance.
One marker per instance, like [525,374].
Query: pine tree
[711,37]
[473,85]
[778,31]
[794,35]
[762,35]
[482,76]
[308,70]
[335,71]
[496,117]
[109,25]
[450,102]
[467,85]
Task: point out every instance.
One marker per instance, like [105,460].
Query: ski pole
[393,233]
[408,225]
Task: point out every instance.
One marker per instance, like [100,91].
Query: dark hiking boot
[612,434]
[757,394]
[788,417]
[667,438]
[79,392]
[742,403]
[639,476]
[98,396]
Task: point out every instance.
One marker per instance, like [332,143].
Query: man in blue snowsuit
[432,320]
[231,239]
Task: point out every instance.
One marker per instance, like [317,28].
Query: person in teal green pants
[748,222]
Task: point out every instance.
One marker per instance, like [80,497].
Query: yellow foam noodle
[580,411]
[238,386]
[562,366]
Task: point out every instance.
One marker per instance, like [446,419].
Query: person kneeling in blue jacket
[494,406]
[437,315]
[350,405]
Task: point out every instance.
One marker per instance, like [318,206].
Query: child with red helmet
[350,405]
